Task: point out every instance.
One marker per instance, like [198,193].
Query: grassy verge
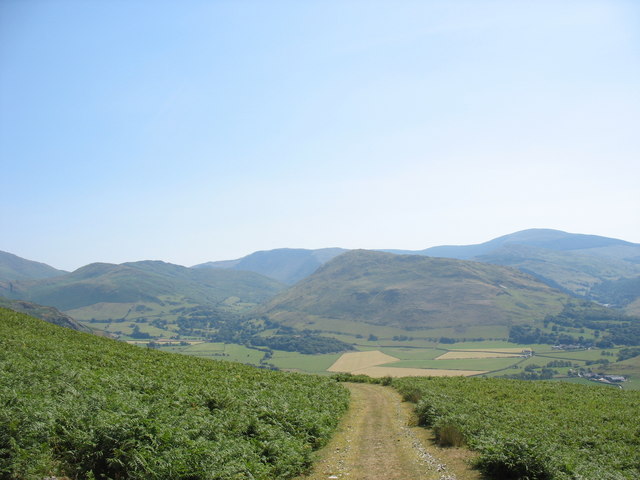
[533,430]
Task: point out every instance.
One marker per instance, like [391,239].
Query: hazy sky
[190,131]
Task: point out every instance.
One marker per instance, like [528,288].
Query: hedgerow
[85,407]
[534,430]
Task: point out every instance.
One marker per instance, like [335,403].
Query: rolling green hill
[14,268]
[145,282]
[287,265]
[413,292]
[80,406]
[149,299]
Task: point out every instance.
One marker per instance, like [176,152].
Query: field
[533,430]
[353,362]
[368,363]
[461,354]
[79,406]
[380,372]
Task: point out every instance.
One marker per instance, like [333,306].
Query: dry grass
[366,363]
[352,362]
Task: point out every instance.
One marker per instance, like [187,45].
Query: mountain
[574,263]
[544,239]
[286,265]
[413,292]
[48,314]
[144,282]
[14,268]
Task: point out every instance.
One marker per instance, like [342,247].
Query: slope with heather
[81,406]
[48,314]
[533,430]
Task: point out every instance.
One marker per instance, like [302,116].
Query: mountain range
[587,266]
[507,279]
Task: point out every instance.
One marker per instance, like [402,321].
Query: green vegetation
[620,293]
[572,271]
[145,282]
[412,293]
[533,430]
[48,314]
[82,406]
[571,326]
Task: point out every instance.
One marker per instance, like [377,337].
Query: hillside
[14,268]
[81,406]
[532,430]
[48,314]
[413,292]
[575,263]
[148,299]
[286,265]
[144,282]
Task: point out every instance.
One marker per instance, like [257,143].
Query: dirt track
[375,442]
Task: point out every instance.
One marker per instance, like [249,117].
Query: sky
[190,131]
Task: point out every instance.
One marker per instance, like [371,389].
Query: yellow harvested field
[462,355]
[350,362]
[378,372]
[366,363]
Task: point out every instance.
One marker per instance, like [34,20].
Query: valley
[487,335]
[295,309]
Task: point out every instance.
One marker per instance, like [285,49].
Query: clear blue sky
[190,131]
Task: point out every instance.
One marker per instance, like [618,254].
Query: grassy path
[375,441]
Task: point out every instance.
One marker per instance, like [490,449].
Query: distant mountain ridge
[588,266]
[575,263]
[14,268]
[287,265]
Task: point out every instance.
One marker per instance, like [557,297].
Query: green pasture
[304,363]
[593,354]
[413,354]
[486,364]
